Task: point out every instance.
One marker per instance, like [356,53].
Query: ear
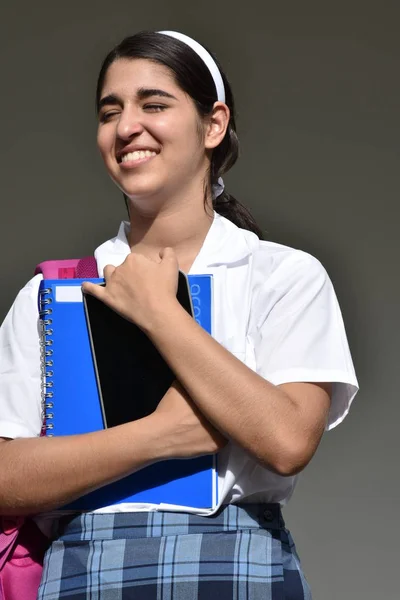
[216,125]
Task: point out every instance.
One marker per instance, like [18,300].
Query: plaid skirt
[242,553]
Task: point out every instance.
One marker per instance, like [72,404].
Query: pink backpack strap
[68,268]
[87,267]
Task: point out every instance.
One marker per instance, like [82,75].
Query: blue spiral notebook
[73,404]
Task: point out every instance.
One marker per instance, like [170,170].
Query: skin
[41,474]
[215,397]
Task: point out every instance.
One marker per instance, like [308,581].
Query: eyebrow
[108,100]
[142,94]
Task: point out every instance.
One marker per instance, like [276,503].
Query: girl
[261,391]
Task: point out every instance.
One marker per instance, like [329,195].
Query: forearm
[256,414]
[39,474]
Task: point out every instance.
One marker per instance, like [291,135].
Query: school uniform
[275,309]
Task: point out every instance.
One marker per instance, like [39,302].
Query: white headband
[206,58]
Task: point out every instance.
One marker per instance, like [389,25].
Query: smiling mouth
[137,155]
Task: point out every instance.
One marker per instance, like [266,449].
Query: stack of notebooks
[100,370]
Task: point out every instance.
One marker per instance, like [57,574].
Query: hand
[139,287]
[188,433]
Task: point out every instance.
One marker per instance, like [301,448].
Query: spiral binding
[46,360]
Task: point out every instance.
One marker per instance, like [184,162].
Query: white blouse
[274,308]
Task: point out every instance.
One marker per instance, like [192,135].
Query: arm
[280,425]
[39,474]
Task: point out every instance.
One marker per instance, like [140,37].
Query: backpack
[22,544]
[75,268]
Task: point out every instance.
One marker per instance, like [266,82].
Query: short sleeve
[20,386]
[299,334]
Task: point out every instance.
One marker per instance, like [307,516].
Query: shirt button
[268,515]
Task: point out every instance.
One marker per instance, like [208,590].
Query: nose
[129,125]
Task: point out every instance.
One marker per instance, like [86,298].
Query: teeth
[137,155]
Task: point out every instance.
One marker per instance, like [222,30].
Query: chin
[136,189]
[137,194]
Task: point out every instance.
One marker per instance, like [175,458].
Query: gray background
[318,96]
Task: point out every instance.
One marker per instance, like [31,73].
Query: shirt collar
[225,244]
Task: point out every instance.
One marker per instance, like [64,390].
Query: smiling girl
[276,372]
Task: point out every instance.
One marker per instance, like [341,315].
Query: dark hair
[193,77]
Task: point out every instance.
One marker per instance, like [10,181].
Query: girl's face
[149,134]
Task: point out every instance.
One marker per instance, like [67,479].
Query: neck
[182,227]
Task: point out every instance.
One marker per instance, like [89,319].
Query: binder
[71,401]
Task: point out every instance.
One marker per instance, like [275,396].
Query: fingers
[94,289]
[108,271]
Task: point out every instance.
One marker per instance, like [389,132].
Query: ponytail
[227,206]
